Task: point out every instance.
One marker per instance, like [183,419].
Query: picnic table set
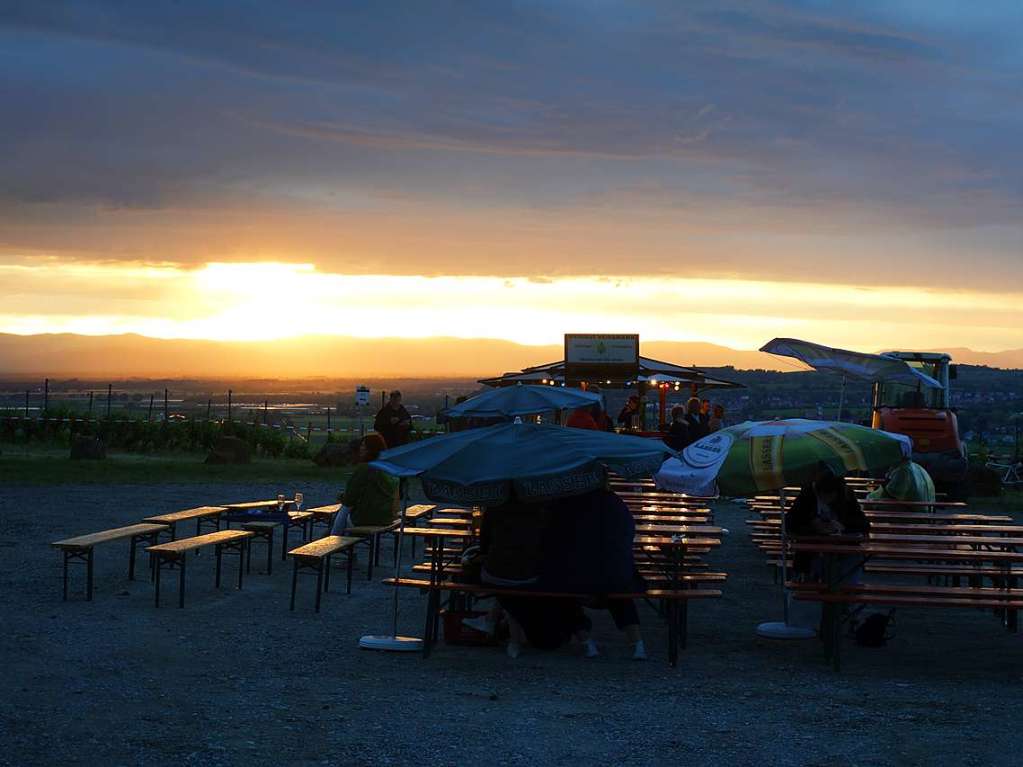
[940,553]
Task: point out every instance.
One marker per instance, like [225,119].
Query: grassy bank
[43,466]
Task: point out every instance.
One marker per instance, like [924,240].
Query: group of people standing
[693,422]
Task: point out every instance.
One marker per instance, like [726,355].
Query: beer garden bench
[174,554]
[80,548]
[316,555]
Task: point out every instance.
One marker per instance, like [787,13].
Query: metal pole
[149,417]
[403,484]
[165,413]
[46,396]
[328,420]
[26,403]
[110,393]
[265,414]
[209,406]
[784,558]
[228,404]
[90,406]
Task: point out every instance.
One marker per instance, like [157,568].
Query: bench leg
[294,583]
[672,609]
[131,558]
[350,567]
[244,555]
[181,581]
[319,583]
[65,555]
[216,580]
[88,575]
[326,575]
[284,541]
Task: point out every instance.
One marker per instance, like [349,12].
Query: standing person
[717,419]
[705,415]
[371,495]
[628,416]
[393,422]
[583,418]
[697,429]
[677,437]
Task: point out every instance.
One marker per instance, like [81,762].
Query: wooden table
[201,515]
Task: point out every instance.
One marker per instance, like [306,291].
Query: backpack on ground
[875,630]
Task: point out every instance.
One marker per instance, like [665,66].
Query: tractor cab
[925,414]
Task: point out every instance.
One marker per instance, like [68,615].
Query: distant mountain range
[129,355]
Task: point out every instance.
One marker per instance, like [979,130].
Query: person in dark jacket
[824,507]
[393,422]
[628,416]
[588,550]
[677,437]
[370,497]
[697,428]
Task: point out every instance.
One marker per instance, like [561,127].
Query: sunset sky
[847,173]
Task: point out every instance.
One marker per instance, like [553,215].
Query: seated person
[371,496]
[511,545]
[588,550]
[677,437]
[906,481]
[824,507]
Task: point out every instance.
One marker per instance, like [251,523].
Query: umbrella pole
[393,641]
[782,630]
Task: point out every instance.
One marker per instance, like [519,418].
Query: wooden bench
[299,519]
[316,555]
[201,514]
[175,555]
[323,516]
[370,536]
[80,549]
[674,600]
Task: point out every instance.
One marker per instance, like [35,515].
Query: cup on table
[280,502]
[299,498]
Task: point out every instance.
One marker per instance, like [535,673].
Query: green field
[46,466]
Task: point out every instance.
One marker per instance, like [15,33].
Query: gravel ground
[235,678]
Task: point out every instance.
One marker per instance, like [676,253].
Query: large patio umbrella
[759,456]
[522,461]
[522,400]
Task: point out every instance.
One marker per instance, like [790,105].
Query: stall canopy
[849,364]
[650,370]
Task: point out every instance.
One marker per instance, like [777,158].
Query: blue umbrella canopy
[528,462]
[523,400]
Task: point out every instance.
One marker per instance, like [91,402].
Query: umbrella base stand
[782,630]
[391,643]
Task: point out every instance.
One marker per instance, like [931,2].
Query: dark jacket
[394,434]
[588,545]
[372,496]
[628,418]
[799,520]
[677,437]
[697,429]
[511,540]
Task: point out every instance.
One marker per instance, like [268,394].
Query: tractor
[925,415]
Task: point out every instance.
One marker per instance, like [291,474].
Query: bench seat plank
[186,514]
[118,533]
[189,544]
[321,547]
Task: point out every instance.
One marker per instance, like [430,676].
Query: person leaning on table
[371,496]
[824,507]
